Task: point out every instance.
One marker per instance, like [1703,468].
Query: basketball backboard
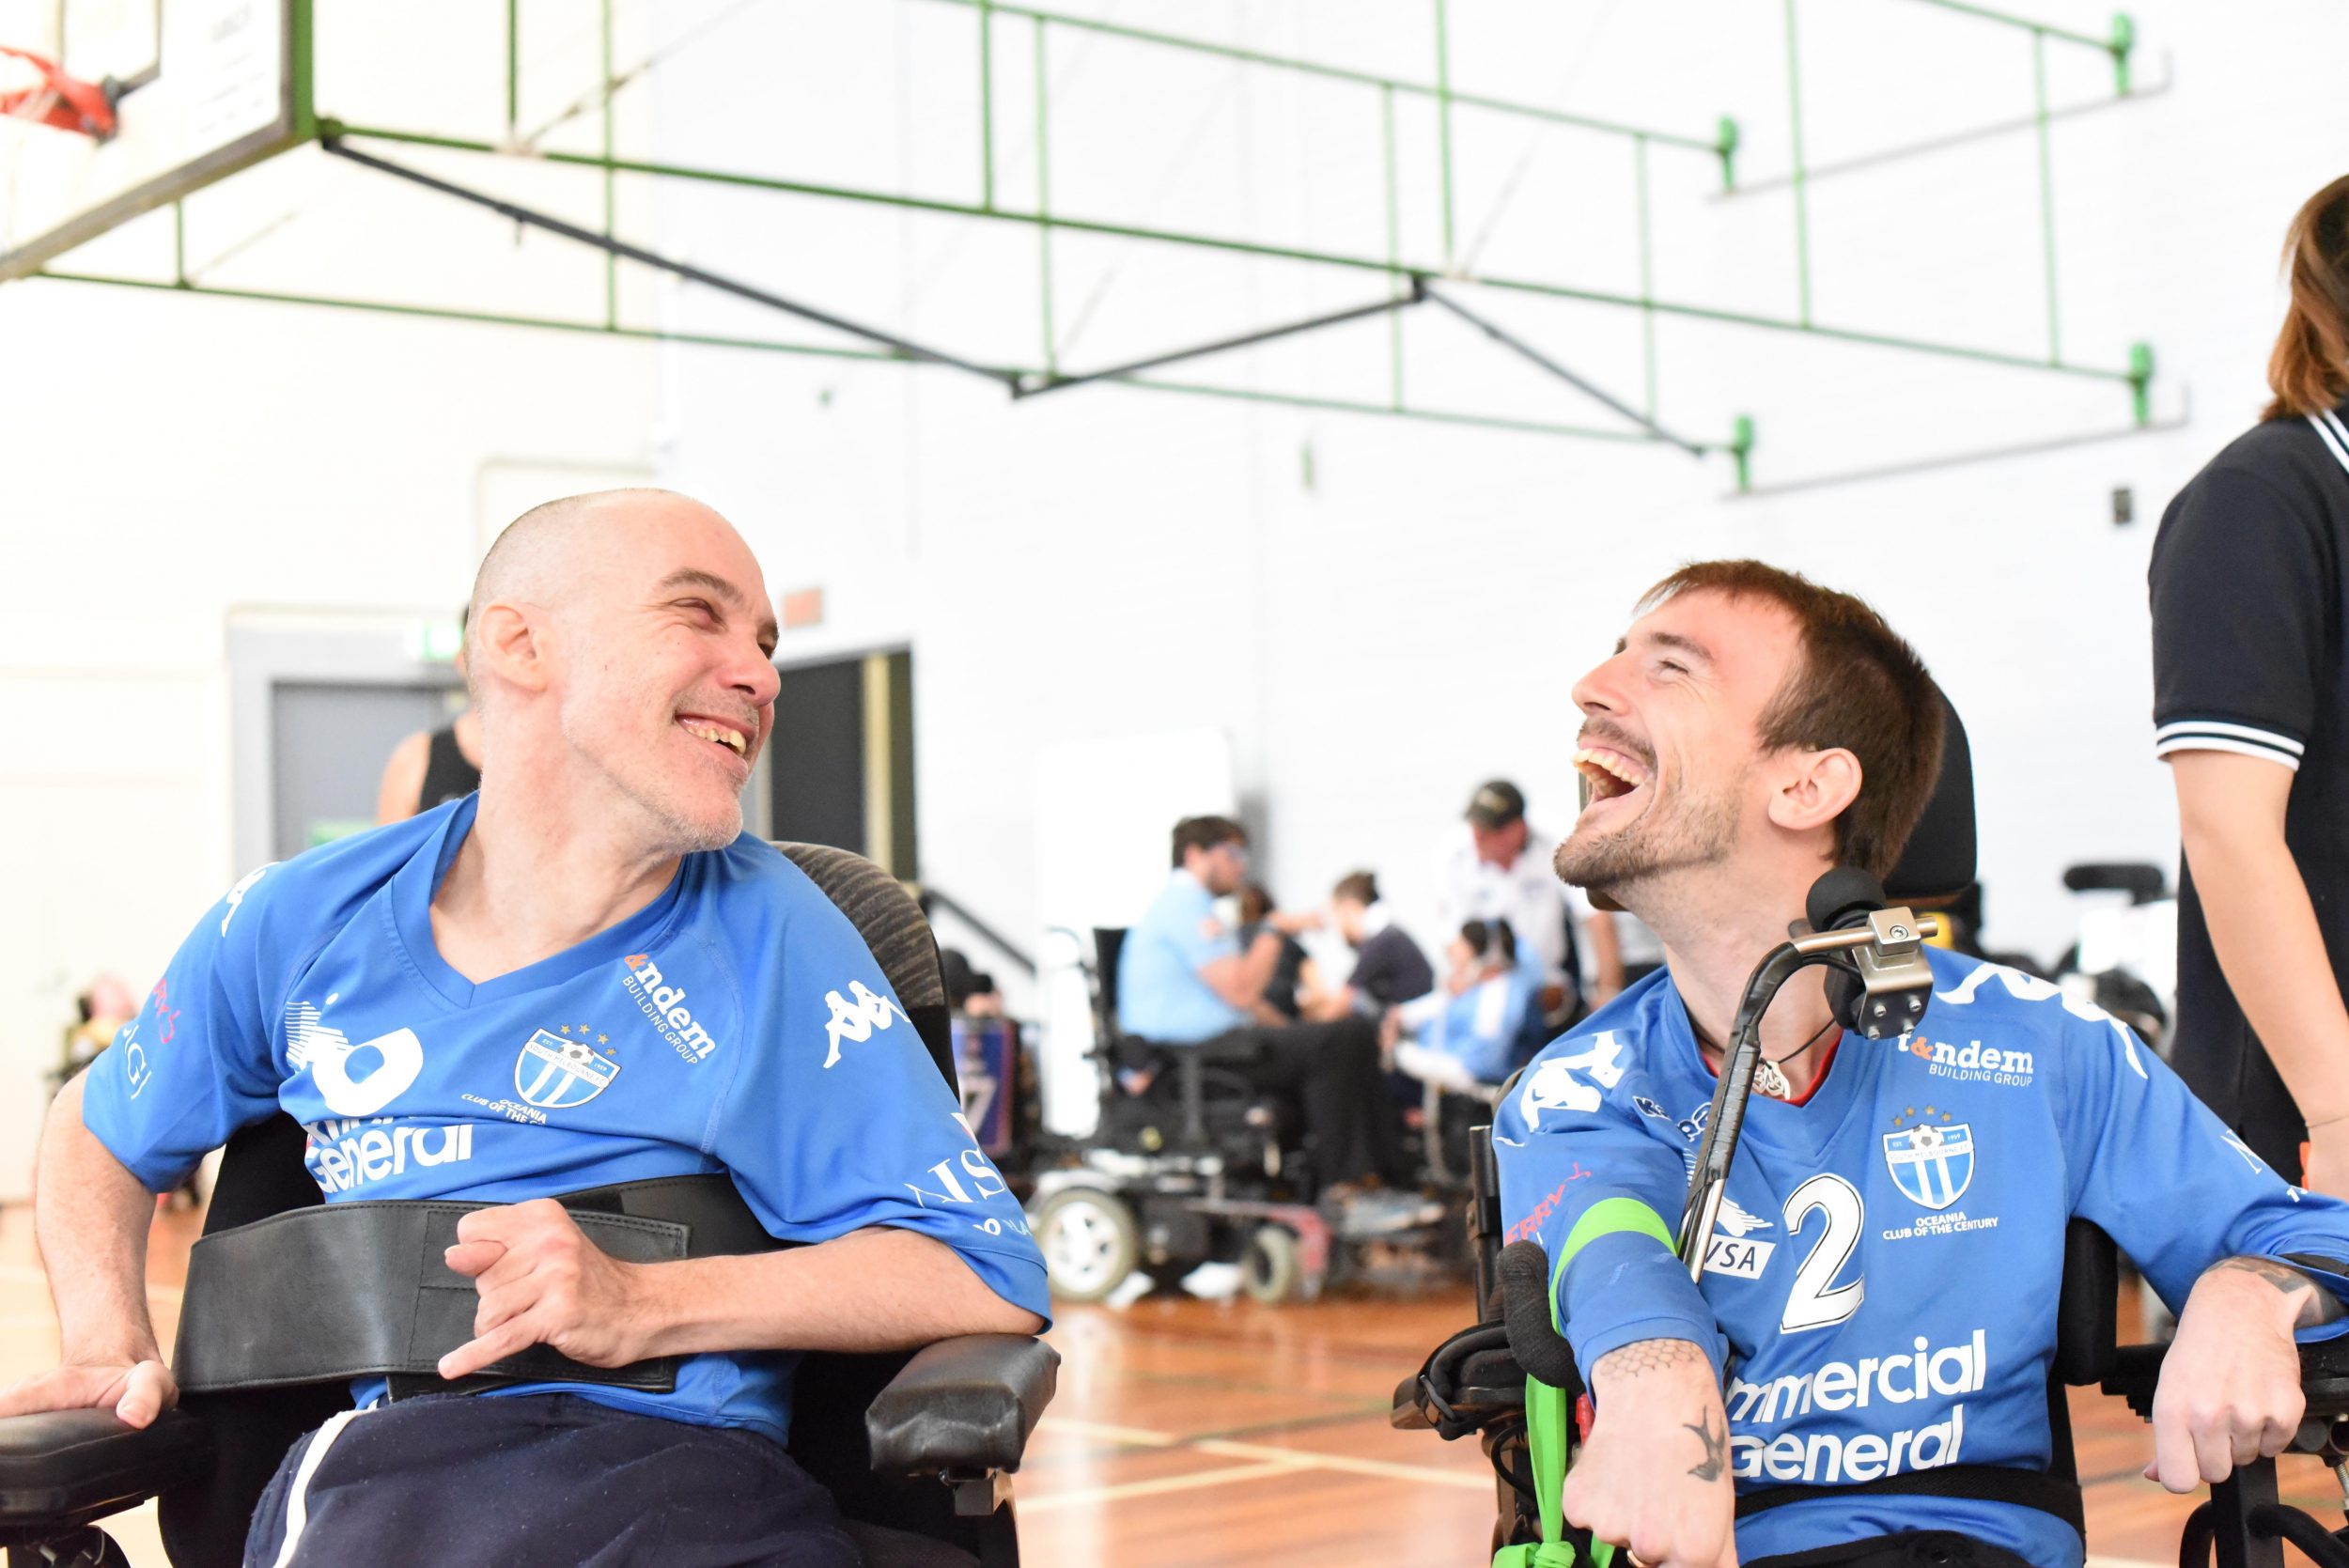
[206,88]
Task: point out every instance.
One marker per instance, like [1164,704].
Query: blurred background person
[1474,1032]
[432,767]
[1389,967]
[1294,973]
[1500,870]
[2250,583]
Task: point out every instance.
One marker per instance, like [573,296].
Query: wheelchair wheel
[1270,1270]
[1090,1241]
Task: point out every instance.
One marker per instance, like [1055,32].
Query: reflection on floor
[1192,1431]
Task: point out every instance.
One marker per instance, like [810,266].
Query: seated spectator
[1294,974]
[1473,1031]
[1389,967]
[1185,982]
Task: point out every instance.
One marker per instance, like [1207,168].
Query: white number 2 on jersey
[1816,1301]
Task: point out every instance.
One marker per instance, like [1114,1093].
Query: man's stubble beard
[1618,865]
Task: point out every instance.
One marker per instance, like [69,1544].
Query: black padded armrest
[70,1465]
[964,1405]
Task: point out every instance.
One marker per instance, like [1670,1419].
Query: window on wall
[840,768]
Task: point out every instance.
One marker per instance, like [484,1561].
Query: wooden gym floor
[1190,1432]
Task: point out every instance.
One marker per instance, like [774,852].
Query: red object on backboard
[72,104]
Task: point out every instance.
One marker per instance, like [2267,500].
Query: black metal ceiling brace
[695,275]
[1039,386]
[1502,336]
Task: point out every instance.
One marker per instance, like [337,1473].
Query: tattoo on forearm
[1716,1447]
[2317,1306]
[1645,1356]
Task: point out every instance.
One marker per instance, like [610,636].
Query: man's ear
[1815,789]
[503,644]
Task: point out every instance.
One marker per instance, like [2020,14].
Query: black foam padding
[2087,1328]
[963,1405]
[1539,1349]
[65,1465]
[1937,863]
[1846,895]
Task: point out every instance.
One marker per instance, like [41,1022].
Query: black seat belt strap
[361,1289]
[1980,1483]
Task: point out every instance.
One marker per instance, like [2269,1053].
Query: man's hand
[1654,1475]
[135,1391]
[2229,1390]
[542,1281]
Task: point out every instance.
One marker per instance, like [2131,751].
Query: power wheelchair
[880,1431]
[1476,1382]
[1201,1167]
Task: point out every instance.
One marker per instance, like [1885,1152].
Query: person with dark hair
[1474,1029]
[2249,585]
[1500,870]
[1185,982]
[1881,1280]
[1294,974]
[432,767]
[1388,967]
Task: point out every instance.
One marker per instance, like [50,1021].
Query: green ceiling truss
[1406,276]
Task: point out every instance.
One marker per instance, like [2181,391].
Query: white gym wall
[1377,612]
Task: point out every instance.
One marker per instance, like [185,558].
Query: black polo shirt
[1389,969]
[2250,589]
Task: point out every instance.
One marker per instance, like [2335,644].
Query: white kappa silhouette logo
[856,1020]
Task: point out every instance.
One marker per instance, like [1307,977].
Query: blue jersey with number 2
[737,1023]
[1881,1282]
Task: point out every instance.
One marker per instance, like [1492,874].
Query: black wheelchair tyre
[1090,1240]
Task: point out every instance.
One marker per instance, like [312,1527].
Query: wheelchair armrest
[2323,1380]
[65,1467]
[962,1407]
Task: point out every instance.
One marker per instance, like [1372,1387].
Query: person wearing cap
[1500,870]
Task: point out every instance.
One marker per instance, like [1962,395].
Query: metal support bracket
[1035,386]
[1517,345]
[331,140]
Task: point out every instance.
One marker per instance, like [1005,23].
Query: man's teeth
[718,733]
[1612,763]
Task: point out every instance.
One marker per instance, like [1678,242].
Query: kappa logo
[664,1004]
[1930,1165]
[556,1074]
[856,1020]
[236,894]
[353,1081]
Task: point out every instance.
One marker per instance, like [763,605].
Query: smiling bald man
[584,974]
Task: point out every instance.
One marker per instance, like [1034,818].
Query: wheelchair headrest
[1937,865]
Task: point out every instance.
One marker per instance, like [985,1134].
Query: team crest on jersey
[557,1072]
[1930,1165]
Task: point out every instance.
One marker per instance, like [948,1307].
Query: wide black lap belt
[356,1290]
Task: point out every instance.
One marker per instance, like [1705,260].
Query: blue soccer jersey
[1881,1283]
[737,1023]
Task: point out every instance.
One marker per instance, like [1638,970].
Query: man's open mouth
[1609,774]
[722,735]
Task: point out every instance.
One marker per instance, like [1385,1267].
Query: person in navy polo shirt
[585,973]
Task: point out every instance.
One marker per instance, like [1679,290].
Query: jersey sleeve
[2239,582]
[1569,1140]
[197,1062]
[2162,1176]
[839,1120]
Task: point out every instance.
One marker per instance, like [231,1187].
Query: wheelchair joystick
[1879,990]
